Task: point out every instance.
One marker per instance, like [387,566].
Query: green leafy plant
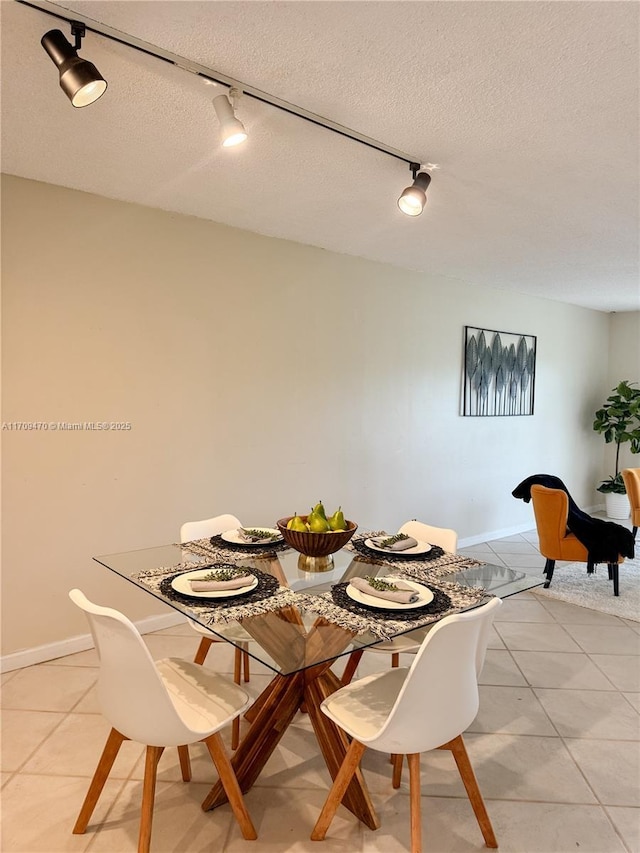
[619,421]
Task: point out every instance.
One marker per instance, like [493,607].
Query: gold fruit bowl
[316,544]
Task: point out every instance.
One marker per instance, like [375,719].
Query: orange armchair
[631,477]
[551,509]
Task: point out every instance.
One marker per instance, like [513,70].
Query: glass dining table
[301,622]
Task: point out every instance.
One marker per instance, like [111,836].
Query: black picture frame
[499,373]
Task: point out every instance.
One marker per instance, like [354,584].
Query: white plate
[233,537]
[420,548]
[181,584]
[426,596]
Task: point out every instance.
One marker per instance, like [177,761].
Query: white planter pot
[617,506]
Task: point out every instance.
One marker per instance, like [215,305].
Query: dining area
[296,602]
[544,780]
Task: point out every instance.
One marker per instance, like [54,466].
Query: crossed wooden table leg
[273,712]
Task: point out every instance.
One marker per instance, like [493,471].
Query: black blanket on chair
[604,540]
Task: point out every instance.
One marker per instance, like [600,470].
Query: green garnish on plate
[391,540]
[380,585]
[256,533]
[224,574]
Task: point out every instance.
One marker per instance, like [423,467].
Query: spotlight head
[80,80]
[232,130]
[414,198]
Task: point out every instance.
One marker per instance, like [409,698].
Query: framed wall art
[499,373]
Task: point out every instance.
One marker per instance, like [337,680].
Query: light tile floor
[554,746]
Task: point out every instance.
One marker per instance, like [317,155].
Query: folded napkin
[404,594]
[234,583]
[390,543]
[255,536]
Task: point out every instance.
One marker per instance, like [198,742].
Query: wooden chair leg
[548,572]
[237,665]
[414,802]
[352,665]
[109,753]
[203,648]
[338,789]
[470,782]
[237,677]
[245,664]
[397,770]
[148,796]
[185,763]
[610,570]
[230,784]
[395,662]
[235,733]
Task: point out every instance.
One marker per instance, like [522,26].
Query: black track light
[80,80]
[414,198]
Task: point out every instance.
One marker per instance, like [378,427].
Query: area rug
[572,583]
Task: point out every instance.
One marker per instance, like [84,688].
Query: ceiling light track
[211,74]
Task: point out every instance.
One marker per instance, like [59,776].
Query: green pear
[317,523]
[337,522]
[319,508]
[296,523]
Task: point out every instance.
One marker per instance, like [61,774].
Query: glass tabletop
[289,638]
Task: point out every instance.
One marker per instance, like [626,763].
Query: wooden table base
[277,706]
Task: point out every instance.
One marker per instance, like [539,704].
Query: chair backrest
[132,694]
[191,530]
[439,697]
[631,477]
[442,536]
[551,509]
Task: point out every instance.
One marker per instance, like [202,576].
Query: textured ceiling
[529,108]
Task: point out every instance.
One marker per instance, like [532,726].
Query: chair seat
[232,631]
[205,700]
[362,708]
[571,549]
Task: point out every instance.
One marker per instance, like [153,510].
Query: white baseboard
[51,651]
[468,541]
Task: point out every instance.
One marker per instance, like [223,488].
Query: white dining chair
[406,643]
[161,704]
[233,632]
[407,711]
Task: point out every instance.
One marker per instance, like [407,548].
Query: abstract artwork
[499,373]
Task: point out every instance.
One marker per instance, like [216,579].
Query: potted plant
[619,421]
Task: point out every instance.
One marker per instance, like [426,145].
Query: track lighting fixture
[83,84]
[414,198]
[232,130]
[80,80]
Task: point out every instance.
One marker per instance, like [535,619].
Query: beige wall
[624,363]
[259,376]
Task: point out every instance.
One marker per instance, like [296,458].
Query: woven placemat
[216,548]
[441,602]
[267,586]
[337,607]
[394,556]
[423,567]
[267,597]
